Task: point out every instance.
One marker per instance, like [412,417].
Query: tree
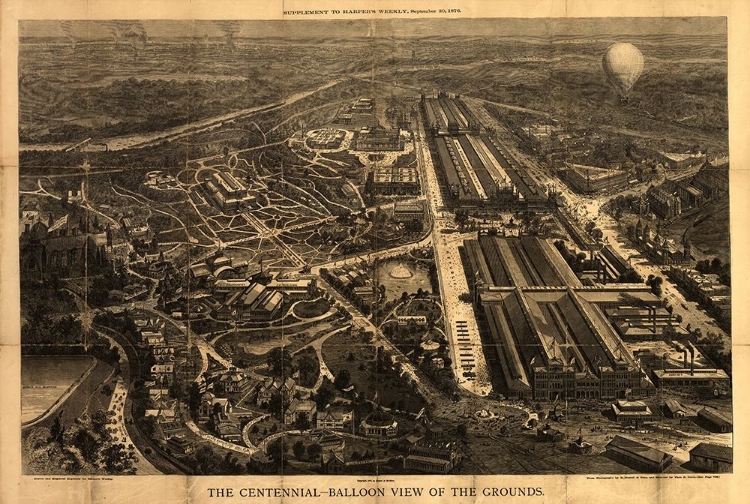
[276,450]
[326,392]
[148,425]
[656,288]
[461,429]
[306,365]
[716,265]
[279,362]
[194,397]
[302,423]
[57,430]
[205,461]
[630,276]
[230,465]
[655,283]
[313,451]
[342,379]
[178,390]
[298,449]
[118,460]
[462,216]
[87,444]
[277,404]
[465,297]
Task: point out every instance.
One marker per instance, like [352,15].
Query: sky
[573,27]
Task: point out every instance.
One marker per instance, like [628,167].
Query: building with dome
[379,423]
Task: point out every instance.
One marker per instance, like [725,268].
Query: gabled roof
[332,455]
[300,405]
[673,406]
[337,412]
[714,452]
[715,417]
[638,449]
[200,270]
[253,293]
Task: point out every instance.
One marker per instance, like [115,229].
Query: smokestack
[692,358]
[684,358]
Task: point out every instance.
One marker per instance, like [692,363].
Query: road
[161,463]
[380,254]
[170,134]
[467,353]
[425,388]
[589,209]
[323,371]
[461,327]
[265,232]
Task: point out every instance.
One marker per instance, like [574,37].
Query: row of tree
[86,446]
[716,267]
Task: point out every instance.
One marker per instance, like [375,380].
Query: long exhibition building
[475,169]
[547,335]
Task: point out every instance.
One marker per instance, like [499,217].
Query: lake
[45,378]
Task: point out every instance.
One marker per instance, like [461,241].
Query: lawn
[345,350]
[311,309]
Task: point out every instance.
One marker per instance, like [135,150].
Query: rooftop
[636,448]
[713,451]
[714,416]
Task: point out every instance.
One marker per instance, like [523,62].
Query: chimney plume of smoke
[67,28]
[136,34]
[684,351]
[115,28]
[229,29]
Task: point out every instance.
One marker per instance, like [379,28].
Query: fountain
[401,272]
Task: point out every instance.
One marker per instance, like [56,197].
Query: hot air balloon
[623,64]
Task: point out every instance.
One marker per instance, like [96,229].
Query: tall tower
[687,249]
